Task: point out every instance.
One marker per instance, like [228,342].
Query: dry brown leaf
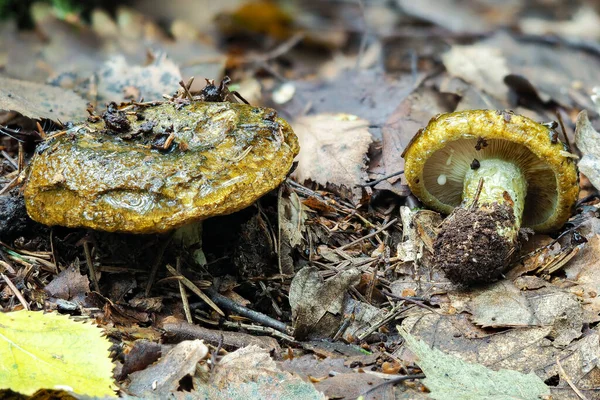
[587,140]
[68,285]
[162,379]
[524,350]
[583,270]
[316,304]
[480,65]
[38,101]
[117,78]
[584,24]
[333,150]
[251,373]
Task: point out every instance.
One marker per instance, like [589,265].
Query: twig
[15,291]
[9,185]
[159,256]
[394,381]
[258,328]
[279,50]
[477,194]
[562,128]
[373,183]
[248,313]
[90,264]
[190,285]
[418,301]
[564,374]
[21,158]
[231,340]
[10,159]
[186,91]
[184,299]
[370,235]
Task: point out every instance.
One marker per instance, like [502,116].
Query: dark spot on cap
[475,164]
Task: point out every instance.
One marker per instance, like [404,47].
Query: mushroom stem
[478,239]
[503,183]
[190,237]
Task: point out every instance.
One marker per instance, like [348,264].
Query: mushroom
[493,172]
[151,169]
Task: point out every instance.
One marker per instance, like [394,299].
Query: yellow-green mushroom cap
[223,157]
[439,156]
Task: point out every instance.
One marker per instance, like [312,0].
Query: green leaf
[450,378]
[51,351]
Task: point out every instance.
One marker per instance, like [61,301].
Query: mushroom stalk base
[479,238]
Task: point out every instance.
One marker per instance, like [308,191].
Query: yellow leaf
[51,351]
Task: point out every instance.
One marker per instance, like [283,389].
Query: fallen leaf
[38,101]
[524,350]
[565,74]
[584,272]
[162,378]
[449,377]
[69,284]
[291,216]
[587,140]
[142,354]
[316,304]
[117,77]
[250,373]
[584,24]
[411,114]
[504,305]
[51,351]
[334,150]
[480,65]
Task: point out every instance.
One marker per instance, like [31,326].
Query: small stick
[90,264]
[394,381]
[562,128]
[477,194]
[258,328]
[186,91]
[248,313]
[184,299]
[564,374]
[21,158]
[161,251]
[16,292]
[11,160]
[373,183]
[370,235]
[190,285]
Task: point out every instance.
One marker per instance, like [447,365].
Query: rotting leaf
[584,272]
[48,351]
[162,378]
[250,373]
[449,377]
[334,150]
[38,101]
[69,284]
[482,66]
[587,140]
[504,305]
[117,77]
[316,304]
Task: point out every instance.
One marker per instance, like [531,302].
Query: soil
[469,248]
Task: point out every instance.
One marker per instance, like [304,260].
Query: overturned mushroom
[154,168]
[493,172]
